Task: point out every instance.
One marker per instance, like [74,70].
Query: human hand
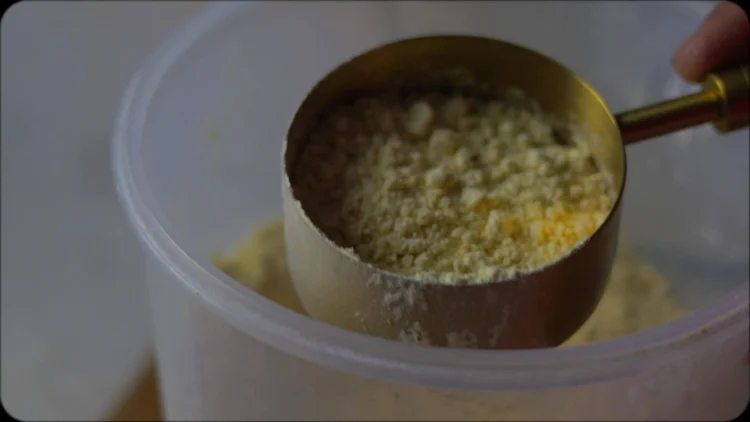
[721,40]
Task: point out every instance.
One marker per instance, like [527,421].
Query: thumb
[722,39]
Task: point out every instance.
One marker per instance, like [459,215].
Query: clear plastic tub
[197,165]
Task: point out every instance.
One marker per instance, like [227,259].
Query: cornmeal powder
[451,188]
[637,297]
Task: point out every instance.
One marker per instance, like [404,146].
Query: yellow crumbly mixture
[259,263]
[451,188]
[637,297]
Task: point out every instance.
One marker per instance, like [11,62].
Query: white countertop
[75,321]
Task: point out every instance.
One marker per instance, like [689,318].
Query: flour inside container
[637,297]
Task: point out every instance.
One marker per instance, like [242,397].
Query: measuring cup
[541,308]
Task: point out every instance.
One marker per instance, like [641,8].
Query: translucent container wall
[197,164]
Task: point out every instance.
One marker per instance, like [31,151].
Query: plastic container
[197,165]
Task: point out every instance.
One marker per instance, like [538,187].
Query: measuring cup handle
[723,101]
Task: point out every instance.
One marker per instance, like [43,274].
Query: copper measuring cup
[537,309]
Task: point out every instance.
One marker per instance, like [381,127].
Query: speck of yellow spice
[451,188]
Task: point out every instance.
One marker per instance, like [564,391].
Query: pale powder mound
[452,189]
[259,263]
[637,297]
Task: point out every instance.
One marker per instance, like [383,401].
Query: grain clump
[451,188]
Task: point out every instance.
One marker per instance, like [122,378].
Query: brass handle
[724,101]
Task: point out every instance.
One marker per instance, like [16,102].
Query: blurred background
[75,323]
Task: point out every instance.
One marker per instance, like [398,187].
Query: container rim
[360,354]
